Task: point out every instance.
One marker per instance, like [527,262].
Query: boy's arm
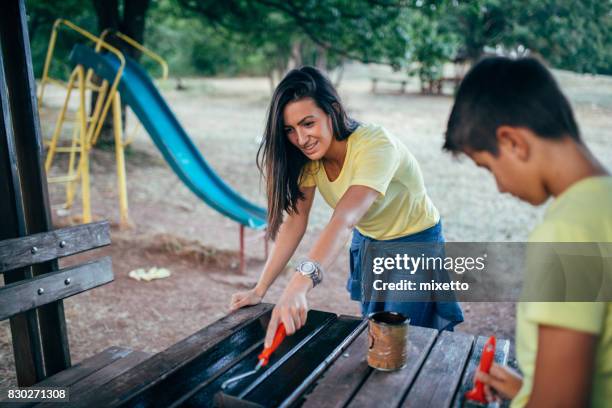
[564,368]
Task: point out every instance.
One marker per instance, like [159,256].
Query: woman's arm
[350,209]
[292,308]
[288,238]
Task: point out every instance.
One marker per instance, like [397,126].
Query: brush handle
[477,393]
[488,353]
[279,336]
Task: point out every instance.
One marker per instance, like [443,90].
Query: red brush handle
[279,336]
[486,361]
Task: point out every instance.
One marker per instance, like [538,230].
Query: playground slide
[138,91]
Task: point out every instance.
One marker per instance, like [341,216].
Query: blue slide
[138,91]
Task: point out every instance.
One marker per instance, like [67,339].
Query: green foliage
[212,38]
[573,35]
[193,47]
[41,16]
[257,37]
[569,34]
[477,23]
[362,30]
[431,44]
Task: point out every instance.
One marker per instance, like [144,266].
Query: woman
[370,179]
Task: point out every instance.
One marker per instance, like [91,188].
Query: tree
[574,35]
[129,18]
[41,16]
[368,31]
[477,23]
[431,44]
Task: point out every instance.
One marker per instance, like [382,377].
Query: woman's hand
[246,298]
[502,381]
[291,309]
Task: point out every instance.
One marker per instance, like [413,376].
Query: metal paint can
[387,340]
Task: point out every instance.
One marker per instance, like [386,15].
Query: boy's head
[506,113]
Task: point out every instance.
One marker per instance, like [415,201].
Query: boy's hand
[502,381]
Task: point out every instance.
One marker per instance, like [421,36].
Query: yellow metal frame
[87,129]
[79,136]
[85,135]
[135,44]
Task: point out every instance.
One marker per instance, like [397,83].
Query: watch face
[307,267]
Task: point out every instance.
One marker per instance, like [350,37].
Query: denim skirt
[438,315]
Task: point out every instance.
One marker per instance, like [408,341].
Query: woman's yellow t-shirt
[376,159]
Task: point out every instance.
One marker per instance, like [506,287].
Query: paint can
[387,340]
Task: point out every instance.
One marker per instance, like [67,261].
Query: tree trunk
[321,58]
[272,81]
[296,55]
[132,24]
[340,74]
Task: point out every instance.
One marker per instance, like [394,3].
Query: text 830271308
[34,394]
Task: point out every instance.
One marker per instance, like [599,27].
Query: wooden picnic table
[322,365]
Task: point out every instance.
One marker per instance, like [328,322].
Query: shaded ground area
[173,229]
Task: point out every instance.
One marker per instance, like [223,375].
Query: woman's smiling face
[308,127]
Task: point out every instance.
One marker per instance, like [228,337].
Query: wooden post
[39,337]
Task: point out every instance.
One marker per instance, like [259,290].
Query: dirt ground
[172,228]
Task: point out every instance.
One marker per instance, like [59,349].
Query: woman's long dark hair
[279,161]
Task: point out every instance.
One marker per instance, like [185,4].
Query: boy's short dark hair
[501,91]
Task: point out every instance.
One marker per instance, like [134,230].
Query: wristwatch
[312,270]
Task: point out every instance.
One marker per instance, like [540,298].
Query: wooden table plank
[343,378]
[151,371]
[358,325]
[235,355]
[205,395]
[439,378]
[79,371]
[86,367]
[284,386]
[269,376]
[102,376]
[386,389]
[502,350]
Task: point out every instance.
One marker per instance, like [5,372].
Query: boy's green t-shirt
[583,213]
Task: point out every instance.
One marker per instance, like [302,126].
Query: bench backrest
[40,290]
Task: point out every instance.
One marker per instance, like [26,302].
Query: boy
[511,118]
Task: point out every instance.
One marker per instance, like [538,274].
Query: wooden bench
[25,296]
[437,86]
[402,82]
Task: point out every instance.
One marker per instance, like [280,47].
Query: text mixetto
[408,285]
